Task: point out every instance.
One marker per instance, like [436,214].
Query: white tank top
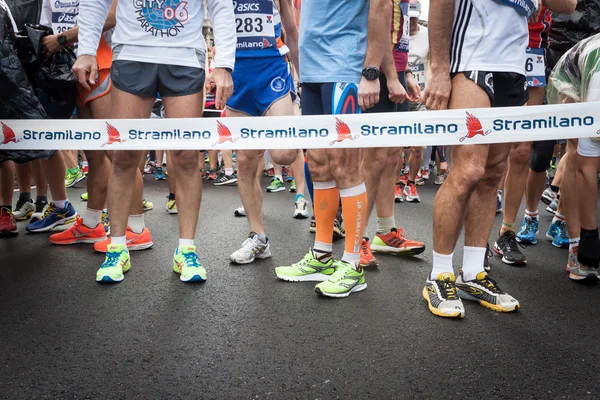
[488,36]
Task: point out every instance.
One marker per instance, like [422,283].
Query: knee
[184,160]
[519,155]
[416,151]
[95,157]
[466,177]
[284,157]
[494,172]
[126,160]
[247,162]
[342,167]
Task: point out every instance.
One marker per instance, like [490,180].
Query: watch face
[62,39]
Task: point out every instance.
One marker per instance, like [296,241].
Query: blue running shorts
[258,83]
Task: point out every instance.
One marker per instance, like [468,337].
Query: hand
[414,90]
[534,17]
[437,92]
[397,92]
[220,78]
[51,45]
[86,70]
[368,93]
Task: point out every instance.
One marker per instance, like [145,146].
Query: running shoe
[84,196]
[270,172]
[85,170]
[338,226]
[403,180]
[212,175]
[23,210]
[345,280]
[40,210]
[442,296]
[367,259]
[411,194]
[116,264]
[160,175]
[275,186]
[251,249]
[548,196]
[105,221]
[498,203]
[187,264]
[54,219]
[529,231]
[172,206]
[287,174]
[239,212]
[394,242]
[553,163]
[508,247]
[425,174]
[309,269]
[150,167]
[147,205]
[553,207]
[73,178]
[578,272]
[8,223]
[486,260]
[301,208]
[558,234]
[293,186]
[441,178]
[313,225]
[486,292]
[419,181]
[398,198]
[224,179]
[79,233]
[135,241]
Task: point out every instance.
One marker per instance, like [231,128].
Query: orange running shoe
[366,257]
[398,197]
[135,241]
[403,180]
[79,233]
[395,242]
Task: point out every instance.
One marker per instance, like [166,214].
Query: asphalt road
[244,334]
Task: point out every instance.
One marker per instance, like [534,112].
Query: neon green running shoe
[74,176]
[117,262]
[309,269]
[187,264]
[344,281]
[84,197]
[293,186]
[275,186]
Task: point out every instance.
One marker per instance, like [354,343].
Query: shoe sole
[257,257]
[24,217]
[507,261]
[487,305]
[436,311]
[9,233]
[371,264]
[413,200]
[193,279]
[305,278]
[526,241]
[238,214]
[547,201]
[76,182]
[551,211]
[225,183]
[61,225]
[412,251]
[172,211]
[357,288]
[398,200]
[312,229]
[551,239]
[136,247]
[108,279]
[590,276]
[148,209]
[276,190]
[292,191]
[300,215]
[83,241]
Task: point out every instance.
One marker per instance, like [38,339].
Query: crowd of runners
[149,58]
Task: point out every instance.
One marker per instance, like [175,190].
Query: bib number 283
[249,24]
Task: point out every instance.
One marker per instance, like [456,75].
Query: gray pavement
[243,334]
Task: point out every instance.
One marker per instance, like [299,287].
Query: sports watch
[62,40]
[371,73]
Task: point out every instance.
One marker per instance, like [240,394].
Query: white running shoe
[301,209]
[239,212]
[251,249]
[24,210]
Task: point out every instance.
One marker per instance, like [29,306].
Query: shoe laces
[341,270]
[365,249]
[490,284]
[20,204]
[511,242]
[112,259]
[448,289]
[49,210]
[398,232]
[191,259]
[562,229]
[529,225]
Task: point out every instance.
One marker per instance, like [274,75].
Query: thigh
[468,93]
[185,106]
[128,105]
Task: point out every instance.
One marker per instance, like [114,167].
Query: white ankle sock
[91,218]
[558,217]
[119,240]
[136,223]
[61,203]
[473,258]
[280,177]
[385,224]
[185,243]
[442,263]
[532,214]
[573,244]
[351,258]
[228,171]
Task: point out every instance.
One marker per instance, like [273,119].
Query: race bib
[404,43]
[254,24]
[418,71]
[535,67]
[523,7]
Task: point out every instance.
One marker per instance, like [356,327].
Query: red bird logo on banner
[474,128]
[343,132]
[113,135]
[224,135]
[9,135]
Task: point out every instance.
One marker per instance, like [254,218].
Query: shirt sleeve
[223,19]
[92,15]
[46,15]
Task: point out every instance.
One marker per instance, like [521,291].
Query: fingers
[81,74]
[219,97]
[93,74]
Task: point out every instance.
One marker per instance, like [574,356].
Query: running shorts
[103,81]
[329,98]
[505,89]
[258,83]
[147,80]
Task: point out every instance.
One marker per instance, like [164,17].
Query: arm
[561,6]
[288,21]
[437,93]
[377,45]
[92,16]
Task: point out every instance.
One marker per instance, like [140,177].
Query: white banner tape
[475,126]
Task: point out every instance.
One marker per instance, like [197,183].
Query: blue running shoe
[529,230]
[58,219]
[558,234]
[160,175]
